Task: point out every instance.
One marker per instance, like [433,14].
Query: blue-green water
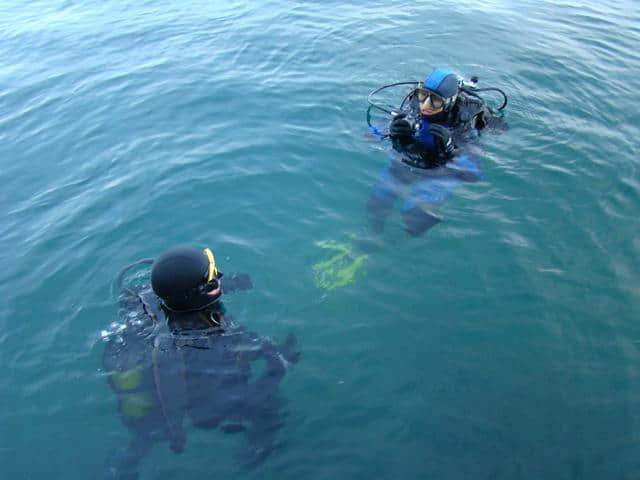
[503,344]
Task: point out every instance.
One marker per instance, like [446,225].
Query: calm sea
[504,344]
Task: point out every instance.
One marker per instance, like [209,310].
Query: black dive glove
[401,129]
[444,140]
[236,281]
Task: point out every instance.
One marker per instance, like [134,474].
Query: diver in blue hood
[433,134]
[177,353]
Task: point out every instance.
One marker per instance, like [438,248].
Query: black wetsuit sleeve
[475,113]
[263,348]
[236,281]
[491,122]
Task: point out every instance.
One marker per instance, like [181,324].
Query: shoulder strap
[171,387]
[168,369]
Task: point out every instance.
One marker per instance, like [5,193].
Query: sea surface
[503,344]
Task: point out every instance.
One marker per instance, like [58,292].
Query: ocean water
[503,344]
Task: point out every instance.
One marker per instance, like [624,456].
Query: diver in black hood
[178,353]
[433,133]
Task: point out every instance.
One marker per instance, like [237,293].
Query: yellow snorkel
[213,270]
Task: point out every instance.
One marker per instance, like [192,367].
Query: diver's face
[429,102]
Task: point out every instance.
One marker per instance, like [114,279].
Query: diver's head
[438,93]
[186,279]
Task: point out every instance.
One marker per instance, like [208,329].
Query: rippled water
[503,344]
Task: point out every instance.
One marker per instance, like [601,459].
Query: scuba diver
[434,134]
[177,353]
[434,138]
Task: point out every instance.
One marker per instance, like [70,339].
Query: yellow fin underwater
[340,269]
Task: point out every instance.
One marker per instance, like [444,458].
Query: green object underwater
[341,268]
[137,405]
[127,380]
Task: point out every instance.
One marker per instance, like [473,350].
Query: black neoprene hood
[176,276]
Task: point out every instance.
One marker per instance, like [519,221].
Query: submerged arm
[276,357]
[465,167]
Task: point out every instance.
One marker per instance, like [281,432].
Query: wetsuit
[165,365]
[422,173]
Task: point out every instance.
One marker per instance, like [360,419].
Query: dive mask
[423,94]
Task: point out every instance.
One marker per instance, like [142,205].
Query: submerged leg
[419,212]
[384,194]
[417,221]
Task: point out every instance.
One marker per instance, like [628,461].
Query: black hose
[488,89]
[392,110]
[123,272]
[379,107]
[372,127]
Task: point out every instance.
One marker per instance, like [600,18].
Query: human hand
[445,142]
[289,349]
[401,129]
